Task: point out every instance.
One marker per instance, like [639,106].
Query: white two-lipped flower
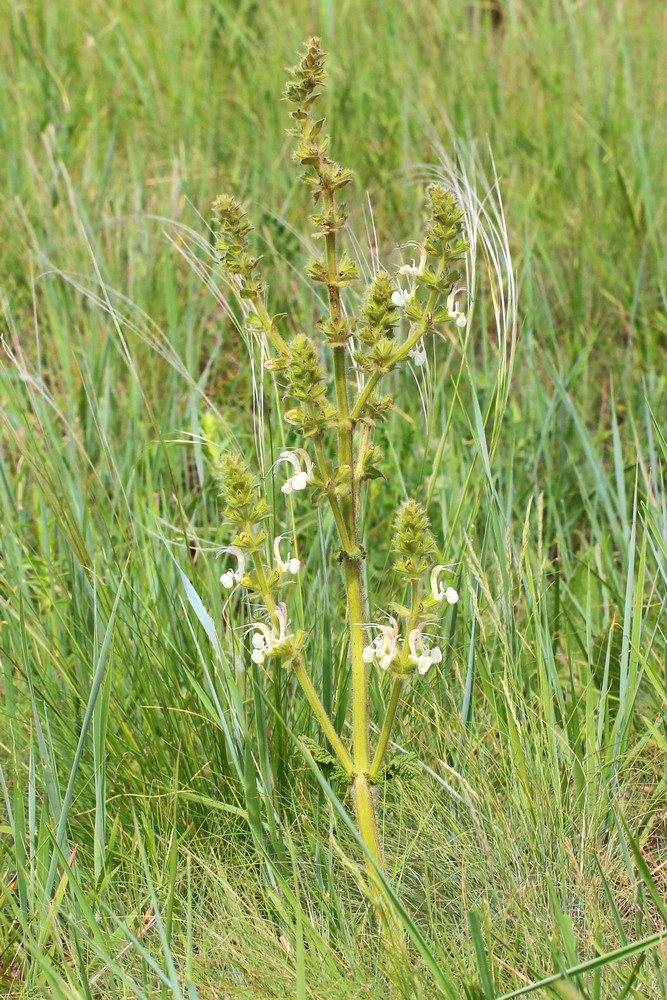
[265,641]
[401,298]
[456,314]
[232,576]
[421,654]
[287,565]
[414,270]
[301,476]
[440,592]
[418,353]
[383,649]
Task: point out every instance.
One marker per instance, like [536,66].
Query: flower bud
[243,504]
[307,76]
[412,542]
[445,229]
[378,312]
[304,371]
[232,219]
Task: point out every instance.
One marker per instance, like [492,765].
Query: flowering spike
[444,234]
[304,371]
[378,311]
[232,245]
[307,80]
[243,504]
[413,542]
[308,77]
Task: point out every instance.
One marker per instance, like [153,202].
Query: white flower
[418,353]
[401,299]
[287,565]
[421,655]
[261,643]
[301,477]
[383,647]
[265,641]
[412,269]
[441,593]
[456,314]
[232,576]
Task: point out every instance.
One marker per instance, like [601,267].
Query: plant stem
[269,327]
[395,695]
[355,607]
[352,569]
[387,725]
[361,451]
[322,717]
[265,591]
[303,678]
[323,470]
[345,426]
[362,792]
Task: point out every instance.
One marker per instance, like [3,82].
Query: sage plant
[330,379]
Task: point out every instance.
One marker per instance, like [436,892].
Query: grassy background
[167,800]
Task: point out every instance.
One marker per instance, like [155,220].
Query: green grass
[161,833]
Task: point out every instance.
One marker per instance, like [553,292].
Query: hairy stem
[323,470]
[303,678]
[352,568]
[395,696]
[392,707]
[355,607]
[362,792]
[322,717]
[269,327]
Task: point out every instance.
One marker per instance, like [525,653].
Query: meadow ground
[161,832]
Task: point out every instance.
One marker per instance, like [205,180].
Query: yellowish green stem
[303,678]
[323,470]
[355,607]
[394,701]
[395,696]
[361,452]
[322,717]
[267,596]
[362,792]
[269,327]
